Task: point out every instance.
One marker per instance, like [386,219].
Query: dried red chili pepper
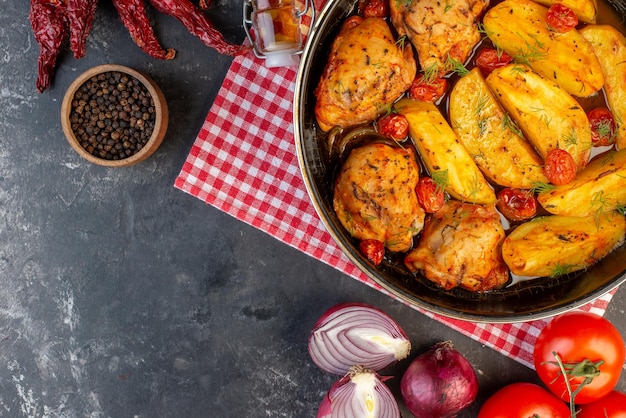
[80,14]
[134,16]
[198,24]
[49,23]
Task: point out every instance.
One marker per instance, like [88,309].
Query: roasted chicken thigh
[438,29]
[365,73]
[375,195]
[461,246]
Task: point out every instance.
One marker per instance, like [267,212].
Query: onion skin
[351,334]
[439,383]
[361,393]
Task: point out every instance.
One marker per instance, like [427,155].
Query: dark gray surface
[124,297]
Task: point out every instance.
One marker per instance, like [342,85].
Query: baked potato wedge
[609,46]
[597,189]
[550,246]
[488,134]
[586,10]
[444,156]
[549,116]
[519,28]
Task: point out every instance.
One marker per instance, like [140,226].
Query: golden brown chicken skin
[374,196]
[365,73]
[439,29]
[461,246]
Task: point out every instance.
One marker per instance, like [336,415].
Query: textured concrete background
[121,296]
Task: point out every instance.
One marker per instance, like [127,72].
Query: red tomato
[374,8]
[578,337]
[517,204]
[603,126]
[394,125]
[353,21]
[430,195]
[489,59]
[559,167]
[373,249]
[561,18]
[523,400]
[428,90]
[612,405]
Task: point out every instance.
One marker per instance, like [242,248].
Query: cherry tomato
[603,126]
[561,18]
[353,21]
[523,400]
[373,249]
[374,8]
[428,90]
[489,59]
[612,405]
[559,167]
[394,125]
[574,339]
[517,204]
[430,195]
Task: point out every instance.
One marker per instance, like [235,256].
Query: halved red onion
[356,334]
[361,393]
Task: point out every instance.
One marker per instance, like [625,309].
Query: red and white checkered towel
[244,163]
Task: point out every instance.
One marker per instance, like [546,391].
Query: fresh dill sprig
[571,137]
[533,51]
[541,187]
[401,42]
[600,205]
[508,123]
[448,6]
[430,73]
[561,269]
[440,178]
[456,66]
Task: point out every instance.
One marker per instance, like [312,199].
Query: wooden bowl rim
[160,107]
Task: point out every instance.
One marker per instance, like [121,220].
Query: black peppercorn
[112,115]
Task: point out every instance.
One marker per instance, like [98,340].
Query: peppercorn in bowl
[114,116]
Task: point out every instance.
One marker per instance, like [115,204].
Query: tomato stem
[572,407]
[586,369]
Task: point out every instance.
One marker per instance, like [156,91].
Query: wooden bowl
[160,121]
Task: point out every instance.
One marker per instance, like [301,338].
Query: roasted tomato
[517,204]
[559,167]
[523,400]
[373,249]
[612,405]
[588,348]
[488,59]
[430,195]
[428,89]
[394,125]
[603,126]
[374,8]
[561,18]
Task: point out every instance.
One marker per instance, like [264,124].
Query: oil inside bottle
[277,26]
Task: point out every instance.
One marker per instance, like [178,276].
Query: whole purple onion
[439,383]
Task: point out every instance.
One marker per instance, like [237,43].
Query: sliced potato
[555,245]
[610,47]
[519,28]
[487,133]
[586,10]
[444,156]
[547,114]
[597,189]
